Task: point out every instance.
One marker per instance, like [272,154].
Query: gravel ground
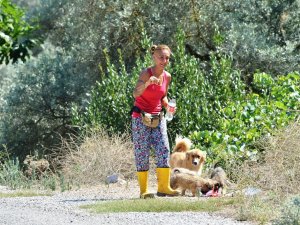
[63,208]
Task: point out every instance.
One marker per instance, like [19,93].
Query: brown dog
[184,157]
[219,175]
[36,167]
[188,180]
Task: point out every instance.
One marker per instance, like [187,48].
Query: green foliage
[15,40]
[10,174]
[214,108]
[250,117]
[290,213]
[242,39]
[201,92]
[111,99]
[4,155]
[36,109]
[256,36]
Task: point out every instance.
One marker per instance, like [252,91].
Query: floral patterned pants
[145,138]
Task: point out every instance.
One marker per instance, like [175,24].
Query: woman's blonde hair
[159,47]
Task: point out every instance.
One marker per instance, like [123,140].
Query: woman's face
[161,58]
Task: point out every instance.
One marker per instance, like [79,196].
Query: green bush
[242,38]
[252,116]
[10,174]
[15,32]
[202,91]
[36,103]
[290,213]
[112,97]
[214,107]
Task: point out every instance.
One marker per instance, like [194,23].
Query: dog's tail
[182,144]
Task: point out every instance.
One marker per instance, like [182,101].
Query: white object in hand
[170,110]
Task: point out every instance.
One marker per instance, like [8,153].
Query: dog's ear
[188,155]
[203,158]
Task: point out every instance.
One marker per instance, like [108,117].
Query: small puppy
[189,180]
[219,175]
[184,157]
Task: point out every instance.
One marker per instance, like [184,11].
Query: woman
[150,95]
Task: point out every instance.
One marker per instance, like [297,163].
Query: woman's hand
[173,110]
[143,82]
[152,80]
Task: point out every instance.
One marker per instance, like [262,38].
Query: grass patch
[160,205]
[22,194]
[256,208]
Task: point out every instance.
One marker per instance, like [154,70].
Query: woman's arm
[165,101]
[143,82]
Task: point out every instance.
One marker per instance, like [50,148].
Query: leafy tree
[36,109]
[15,32]
[257,35]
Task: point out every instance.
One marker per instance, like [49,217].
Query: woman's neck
[157,72]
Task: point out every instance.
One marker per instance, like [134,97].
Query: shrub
[276,169]
[90,159]
[36,107]
[214,107]
[10,174]
[202,91]
[15,40]
[252,116]
[290,212]
[111,99]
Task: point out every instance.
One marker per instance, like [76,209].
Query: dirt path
[63,208]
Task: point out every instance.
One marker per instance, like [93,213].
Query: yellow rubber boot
[163,181]
[143,182]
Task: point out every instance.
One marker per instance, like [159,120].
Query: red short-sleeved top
[150,100]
